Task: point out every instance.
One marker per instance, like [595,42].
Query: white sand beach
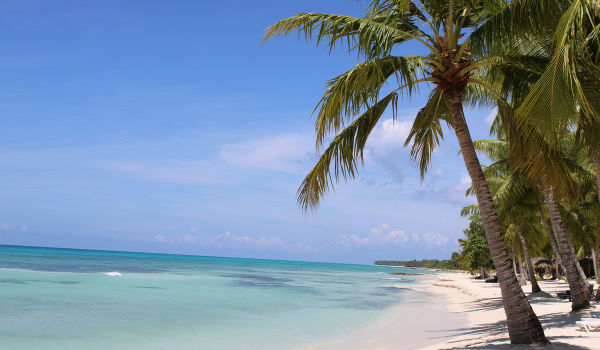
[486,329]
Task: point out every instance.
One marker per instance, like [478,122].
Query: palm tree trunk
[596,251]
[580,271]
[523,279]
[523,324]
[535,288]
[551,238]
[597,257]
[592,239]
[578,293]
[514,259]
[597,170]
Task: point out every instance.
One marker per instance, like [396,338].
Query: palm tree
[475,253]
[578,285]
[352,105]
[512,187]
[587,212]
[510,237]
[554,86]
[583,180]
[567,92]
[551,237]
[513,197]
[535,287]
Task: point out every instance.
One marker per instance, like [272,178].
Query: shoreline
[486,321]
[420,320]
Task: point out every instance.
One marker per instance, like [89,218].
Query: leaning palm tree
[514,218]
[511,187]
[352,104]
[513,196]
[536,144]
[535,287]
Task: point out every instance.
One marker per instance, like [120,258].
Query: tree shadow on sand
[495,335]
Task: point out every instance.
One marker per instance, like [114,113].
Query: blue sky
[166,127]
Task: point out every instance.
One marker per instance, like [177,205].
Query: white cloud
[282,152]
[193,229]
[159,238]
[4,226]
[465,179]
[436,171]
[435,239]
[262,242]
[453,194]
[385,147]
[23,228]
[377,231]
[305,248]
[389,136]
[490,117]
[377,237]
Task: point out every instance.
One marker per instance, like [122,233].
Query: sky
[167,127]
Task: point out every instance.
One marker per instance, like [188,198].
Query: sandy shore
[482,304]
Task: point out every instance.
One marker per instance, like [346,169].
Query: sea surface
[81,299]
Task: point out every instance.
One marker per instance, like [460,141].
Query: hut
[542,266]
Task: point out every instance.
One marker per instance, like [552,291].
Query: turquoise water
[63,299]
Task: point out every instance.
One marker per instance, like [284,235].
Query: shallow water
[79,299]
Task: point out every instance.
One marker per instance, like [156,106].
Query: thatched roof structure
[542,263]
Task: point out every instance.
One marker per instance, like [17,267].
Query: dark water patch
[275,285]
[329,282]
[372,304]
[150,287]
[66,282]
[260,279]
[14,281]
[181,273]
[393,290]
[258,284]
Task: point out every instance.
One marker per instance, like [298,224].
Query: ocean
[98,300]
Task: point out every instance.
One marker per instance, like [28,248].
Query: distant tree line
[451,264]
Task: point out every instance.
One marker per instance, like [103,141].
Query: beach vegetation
[475,252]
[450,264]
[518,200]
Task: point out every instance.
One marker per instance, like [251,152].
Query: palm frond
[344,152]
[492,149]
[426,130]
[363,34]
[470,210]
[349,93]
[514,21]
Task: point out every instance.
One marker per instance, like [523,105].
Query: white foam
[112,274]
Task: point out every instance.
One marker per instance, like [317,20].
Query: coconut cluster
[450,80]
